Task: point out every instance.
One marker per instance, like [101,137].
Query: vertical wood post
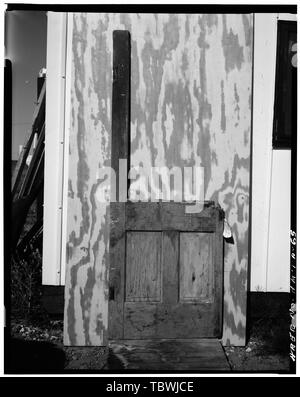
[120,142]
[120,149]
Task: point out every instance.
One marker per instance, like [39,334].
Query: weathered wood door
[166,271]
[165,277]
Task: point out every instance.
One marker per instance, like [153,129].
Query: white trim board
[67,119]
[54,147]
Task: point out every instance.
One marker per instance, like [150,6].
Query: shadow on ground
[113,362]
[26,357]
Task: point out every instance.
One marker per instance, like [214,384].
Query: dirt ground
[267,349]
[37,347]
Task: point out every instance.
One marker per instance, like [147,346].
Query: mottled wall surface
[85,321]
[190,105]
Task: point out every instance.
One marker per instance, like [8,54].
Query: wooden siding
[190,105]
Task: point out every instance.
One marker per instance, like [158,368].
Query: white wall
[278,265]
[270,222]
[54,148]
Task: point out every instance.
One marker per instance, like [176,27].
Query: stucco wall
[190,105]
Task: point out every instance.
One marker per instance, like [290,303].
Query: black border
[151,8]
[7,170]
[158,8]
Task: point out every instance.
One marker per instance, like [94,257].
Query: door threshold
[175,355]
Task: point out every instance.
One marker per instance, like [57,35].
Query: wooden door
[166,271]
[165,277]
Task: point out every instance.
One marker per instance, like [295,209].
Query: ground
[40,347]
[267,349]
[37,347]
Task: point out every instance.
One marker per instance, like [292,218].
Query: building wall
[271,170]
[191,79]
[54,149]
[278,265]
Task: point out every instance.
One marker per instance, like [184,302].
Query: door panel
[143,267]
[196,276]
[185,321]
